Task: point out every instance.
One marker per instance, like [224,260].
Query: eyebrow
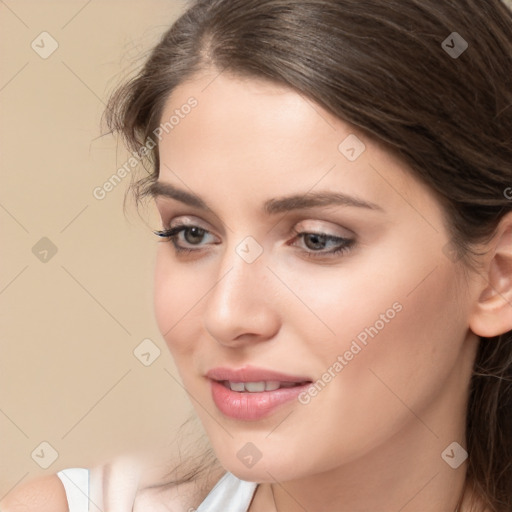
[161,189]
[270,207]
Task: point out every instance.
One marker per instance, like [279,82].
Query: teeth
[258,387]
[254,387]
[236,386]
[271,385]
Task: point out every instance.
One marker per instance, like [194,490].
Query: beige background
[69,325]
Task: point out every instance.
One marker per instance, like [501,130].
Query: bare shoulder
[45,494]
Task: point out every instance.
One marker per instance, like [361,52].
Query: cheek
[393,350]
[394,324]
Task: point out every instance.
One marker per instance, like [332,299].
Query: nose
[242,308]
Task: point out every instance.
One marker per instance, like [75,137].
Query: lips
[252,393]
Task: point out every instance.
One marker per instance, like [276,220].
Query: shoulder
[45,494]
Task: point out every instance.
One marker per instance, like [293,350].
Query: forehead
[235,112]
[257,137]
[249,111]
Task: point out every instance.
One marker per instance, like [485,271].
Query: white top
[230,494]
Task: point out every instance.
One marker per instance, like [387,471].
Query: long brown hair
[440,101]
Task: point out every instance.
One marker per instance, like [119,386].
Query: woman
[335,274]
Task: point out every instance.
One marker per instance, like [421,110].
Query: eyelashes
[314,243]
[173,235]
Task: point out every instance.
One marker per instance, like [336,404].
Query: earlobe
[492,313]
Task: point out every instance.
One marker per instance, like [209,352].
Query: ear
[492,312]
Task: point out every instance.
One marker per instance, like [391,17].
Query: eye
[186,234]
[323,244]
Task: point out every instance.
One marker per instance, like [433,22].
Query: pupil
[314,241]
[194,235]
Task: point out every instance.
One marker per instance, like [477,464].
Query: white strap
[230,493]
[76,485]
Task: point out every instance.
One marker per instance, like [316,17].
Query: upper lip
[252,374]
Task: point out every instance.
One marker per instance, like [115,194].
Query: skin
[45,494]
[372,438]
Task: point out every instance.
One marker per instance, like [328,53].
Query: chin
[270,467]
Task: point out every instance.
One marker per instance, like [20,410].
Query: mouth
[251,393]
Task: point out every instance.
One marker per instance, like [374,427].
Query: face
[299,246]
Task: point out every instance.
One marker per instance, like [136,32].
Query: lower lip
[252,406]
